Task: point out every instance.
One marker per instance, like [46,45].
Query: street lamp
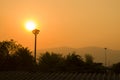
[35,32]
[105,56]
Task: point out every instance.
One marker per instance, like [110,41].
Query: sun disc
[30,25]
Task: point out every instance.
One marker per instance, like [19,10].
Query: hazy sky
[72,23]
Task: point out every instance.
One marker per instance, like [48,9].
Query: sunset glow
[72,23]
[30,25]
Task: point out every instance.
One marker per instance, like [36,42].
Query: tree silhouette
[74,62]
[9,47]
[88,59]
[6,48]
[50,62]
[116,67]
[14,56]
[91,66]
[23,59]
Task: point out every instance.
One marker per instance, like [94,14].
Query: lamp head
[35,31]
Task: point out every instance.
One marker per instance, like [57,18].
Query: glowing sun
[30,25]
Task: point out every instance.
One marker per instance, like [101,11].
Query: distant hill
[113,56]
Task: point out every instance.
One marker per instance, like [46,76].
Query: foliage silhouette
[74,62]
[116,67]
[14,56]
[91,66]
[6,48]
[50,62]
[23,59]
[88,59]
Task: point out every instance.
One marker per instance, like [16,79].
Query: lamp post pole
[35,32]
[105,56]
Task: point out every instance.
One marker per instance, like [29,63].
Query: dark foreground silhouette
[15,57]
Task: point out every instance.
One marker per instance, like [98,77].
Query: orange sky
[72,23]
